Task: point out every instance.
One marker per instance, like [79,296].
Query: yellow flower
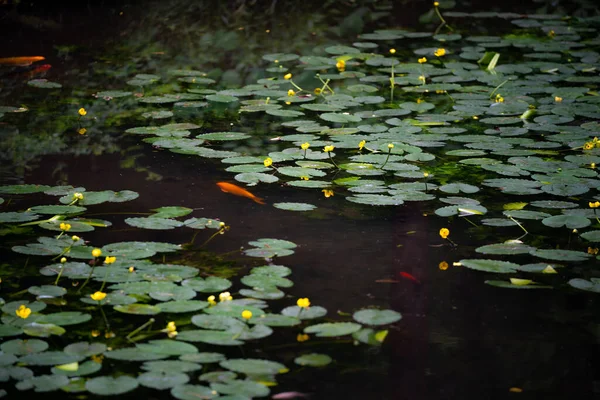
[443,265]
[63,260]
[82,111]
[361,144]
[291,92]
[392,51]
[439,52]
[327,193]
[499,98]
[110,260]
[95,358]
[303,302]
[287,76]
[131,269]
[475,117]
[77,196]
[64,227]
[171,335]
[592,251]
[422,60]
[390,146]
[75,238]
[82,131]
[425,174]
[171,327]
[23,311]
[95,333]
[558,99]
[422,78]
[304,178]
[329,148]
[551,34]
[98,296]
[341,65]
[444,232]
[419,101]
[225,296]
[96,252]
[436,4]
[588,146]
[593,165]
[268,162]
[211,300]
[302,337]
[305,146]
[594,205]
[318,91]
[246,314]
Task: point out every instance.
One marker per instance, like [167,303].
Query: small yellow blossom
[268,162]
[77,196]
[63,260]
[23,311]
[592,250]
[95,333]
[439,52]
[361,144]
[305,178]
[422,78]
[588,146]
[211,300]
[594,205]
[305,146]
[475,117]
[110,260]
[96,252]
[419,101]
[425,174]
[317,91]
[98,296]
[436,4]
[131,269]
[303,302]
[64,227]
[171,327]
[171,335]
[97,358]
[302,337]
[82,131]
[422,60]
[390,146]
[287,76]
[75,238]
[246,314]
[327,193]
[329,148]
[287,103]
[341,65]
[593,165]
[291,92]
[444,232]
[109,335]
[392,51]
[225,296]
[499,98]
[551,34]
[443,265]
[82,111]
[558,99]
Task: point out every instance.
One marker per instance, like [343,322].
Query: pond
[240,200]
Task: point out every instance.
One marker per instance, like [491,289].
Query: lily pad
[330,329]
[376,317]
[109,386]
[313,360]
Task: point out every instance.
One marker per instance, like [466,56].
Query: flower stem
[135,331]
[386,159]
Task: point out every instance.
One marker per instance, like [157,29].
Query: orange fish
[406,275]
[238,191]
[20,61]
[35,71]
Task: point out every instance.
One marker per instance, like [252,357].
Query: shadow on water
[458,338]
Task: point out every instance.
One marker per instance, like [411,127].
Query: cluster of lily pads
[84,289]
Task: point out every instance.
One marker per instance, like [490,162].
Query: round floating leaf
[43,330]
[85,349]
[44,383]
[171,365]
[294,206]
[171,212]
[133,354]
[9,330]
[376,317]
[218,376]
[275,320]
[176,293]
[162,380]
[211,284]
[222,338]
[13,217]
[313,360]
[510,285]
[21,347]
[193,392]
[168,347]
[138,250]
[153,223]
[109,386]
[138,309]
[311,312]
[24,189]
[223,136]
[340,118]
[505,248]
[582,284]
[183,306]
[86,368]
[592,236]
[251,366]
[501,267]
[64,318]
[50,358]
[47,291]
[204,358]
[568,221]
[333,329]
[218,322]
[44,84]
[244,389]
[560,255]
[458,188]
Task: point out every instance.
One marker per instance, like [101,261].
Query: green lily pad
[43,330]
[13,217]
[153,223]
[193,392]
[582,284]
[21,347]
[222,338]
[133,354]
[47,291]
[505,248]
[376,317]
[168,347]
[331,329]
[211,284]
[311,312]
[50,358]
[223,136]
[313,360]
[171,212]
[204,358]
[162,380]
[109,386]
[295,206]
[242,388]
[253,366]
[560,255]
[43,383]
[85,349]
[171,365]
[509,285]
[64,318]
[87,368]
[183,306]
[138,309]
[568,221]
[24,189]
[496,266]
[218,376]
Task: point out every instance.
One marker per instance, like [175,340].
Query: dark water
[458,337]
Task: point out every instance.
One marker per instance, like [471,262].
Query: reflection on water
[458,337]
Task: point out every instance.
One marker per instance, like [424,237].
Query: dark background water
[458,337]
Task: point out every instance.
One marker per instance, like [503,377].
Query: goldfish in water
[238,191]
[20,61]
[406,275]
[289,395]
